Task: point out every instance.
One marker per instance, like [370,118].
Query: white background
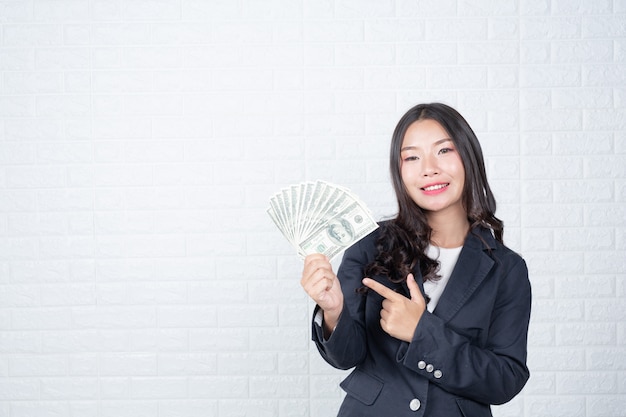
[140,141]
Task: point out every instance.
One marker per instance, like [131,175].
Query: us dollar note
[319,217]
[339,232]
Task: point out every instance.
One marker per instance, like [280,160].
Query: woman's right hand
[321,284]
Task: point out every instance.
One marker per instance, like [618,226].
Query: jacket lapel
[469,272]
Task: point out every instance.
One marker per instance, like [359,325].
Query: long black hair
[403,240]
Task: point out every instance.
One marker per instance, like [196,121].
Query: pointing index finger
[383,291]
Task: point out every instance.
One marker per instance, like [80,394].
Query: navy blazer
[468,353]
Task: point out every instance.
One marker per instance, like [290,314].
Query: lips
[435,188]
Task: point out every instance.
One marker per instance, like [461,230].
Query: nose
[429,166]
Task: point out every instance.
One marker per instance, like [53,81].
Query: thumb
[414,289]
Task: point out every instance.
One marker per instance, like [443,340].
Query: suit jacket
[468,353]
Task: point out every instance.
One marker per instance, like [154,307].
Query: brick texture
[140,141]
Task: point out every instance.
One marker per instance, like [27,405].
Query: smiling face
[432,170]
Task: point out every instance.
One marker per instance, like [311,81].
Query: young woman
[431,309]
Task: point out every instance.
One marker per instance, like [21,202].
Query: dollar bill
[340,232]
[319,217]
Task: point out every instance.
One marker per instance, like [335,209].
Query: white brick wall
[140,140]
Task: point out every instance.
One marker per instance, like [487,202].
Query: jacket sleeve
[346,347]
[490,374]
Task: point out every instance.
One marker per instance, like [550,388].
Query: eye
[445,150]
[410,158]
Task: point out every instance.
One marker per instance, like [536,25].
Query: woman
[431,309]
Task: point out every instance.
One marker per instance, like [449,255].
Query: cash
[319,217]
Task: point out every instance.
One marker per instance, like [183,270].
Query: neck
[448,232]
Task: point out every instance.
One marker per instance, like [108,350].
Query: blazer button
[429,368]
[421,364]
[438,374]
[415,404]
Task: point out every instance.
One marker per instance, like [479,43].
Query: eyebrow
[439,142]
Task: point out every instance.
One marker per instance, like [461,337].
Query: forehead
[425,132]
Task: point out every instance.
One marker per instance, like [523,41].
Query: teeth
[435,187]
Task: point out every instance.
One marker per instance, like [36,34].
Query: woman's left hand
[399,315]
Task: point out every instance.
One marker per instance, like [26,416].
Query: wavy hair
[403,240]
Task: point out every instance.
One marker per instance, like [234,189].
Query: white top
[447,258]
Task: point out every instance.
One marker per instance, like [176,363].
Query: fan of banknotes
[319,217]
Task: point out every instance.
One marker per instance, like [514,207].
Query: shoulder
[497,250]
[366,247]
[363,252]
[508,257]
[511,272]
[369,243]
[506,260]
